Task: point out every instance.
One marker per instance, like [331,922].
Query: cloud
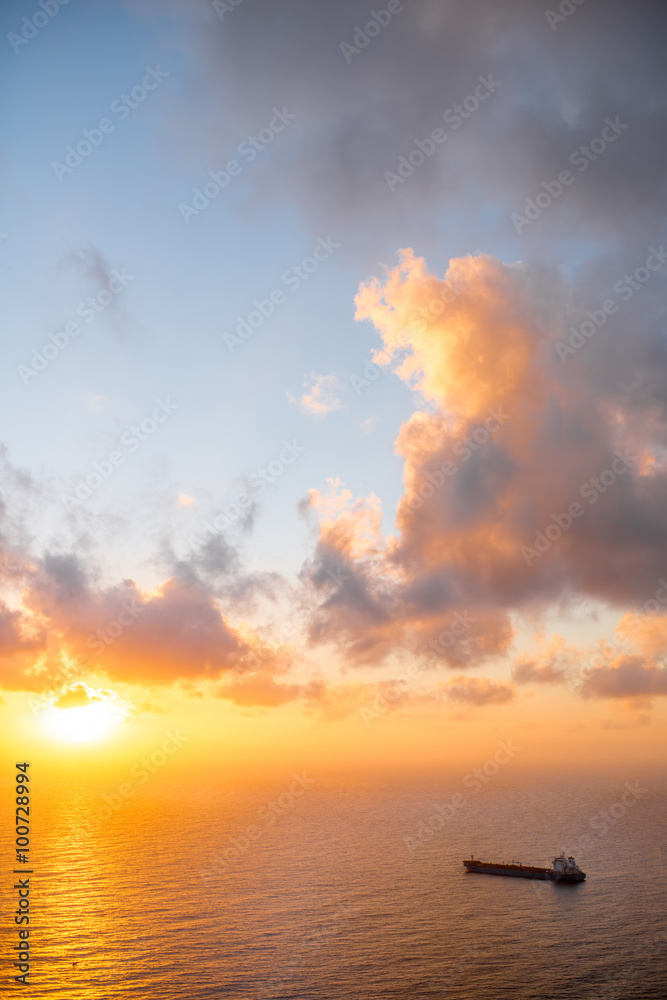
[17,633]
[185,501]
[95,274]
[479,691]
[636,722]
[505,441]
[319,397]
[60,623]
[80,695]
[262,689]
[94,267]
[23,639]
[357,116]
[629,665]
[627,677]
[548,664]
[93,403]
[539,673]
[176,632]
[646,632]
[19,495]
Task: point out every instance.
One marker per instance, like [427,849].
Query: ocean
[345,888]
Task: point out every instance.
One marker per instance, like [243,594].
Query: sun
[83,715]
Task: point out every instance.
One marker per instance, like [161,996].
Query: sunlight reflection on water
[328,901]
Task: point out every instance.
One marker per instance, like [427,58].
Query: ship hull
[544,874]
[509,872]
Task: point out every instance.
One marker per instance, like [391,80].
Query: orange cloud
[628,665]
[479,691]
[68,626]
[647,633]
[520,483]
[262,689]
[467,342]
[548,663]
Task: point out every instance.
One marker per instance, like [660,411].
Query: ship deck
[502,864]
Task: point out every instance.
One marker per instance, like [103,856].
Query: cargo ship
[564,869]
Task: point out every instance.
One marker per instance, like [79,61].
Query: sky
[333,401]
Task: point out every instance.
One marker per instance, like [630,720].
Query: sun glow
[89,724]
[83,715]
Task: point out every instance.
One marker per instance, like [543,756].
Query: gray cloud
[628,677]
[355,120]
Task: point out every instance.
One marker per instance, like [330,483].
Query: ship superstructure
[564,869]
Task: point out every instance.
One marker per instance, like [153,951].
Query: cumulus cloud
[69,624]
[505,443]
